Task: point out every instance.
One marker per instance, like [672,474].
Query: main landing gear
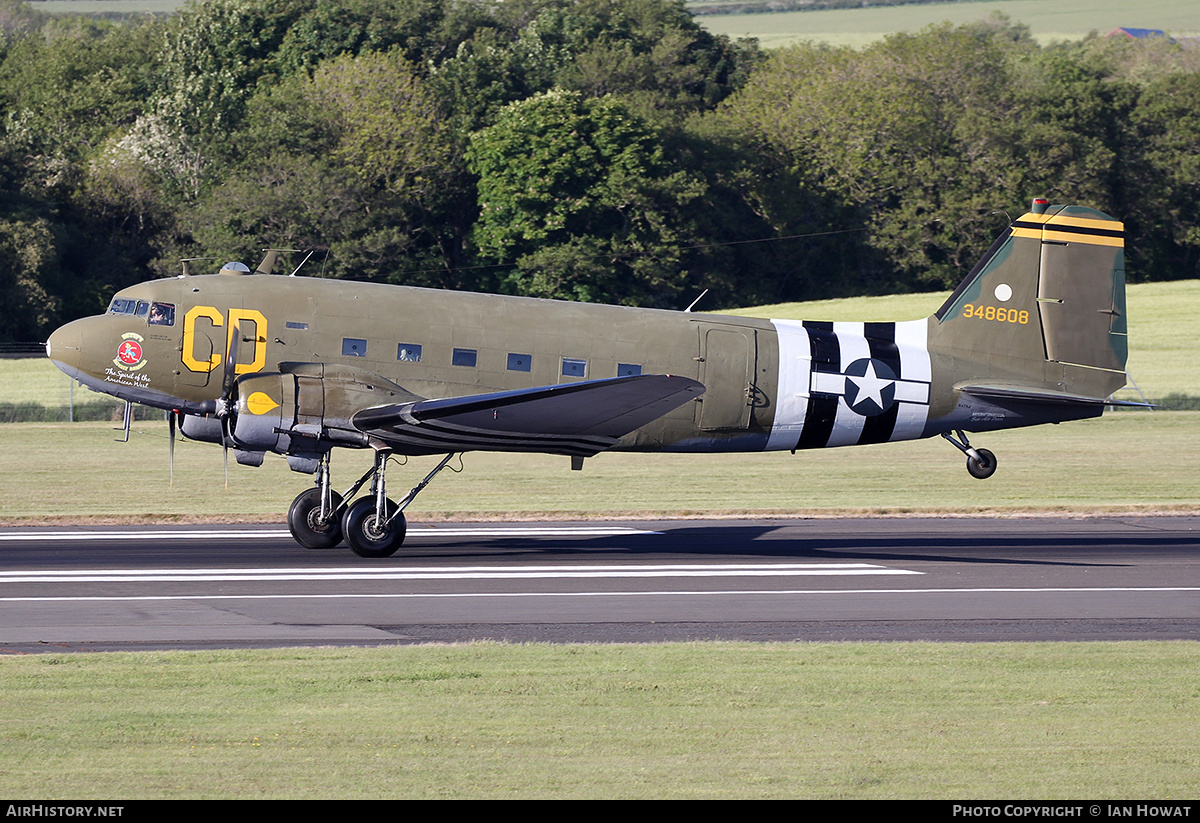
[373,525]
[981,463]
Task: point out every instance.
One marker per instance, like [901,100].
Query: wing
[574,418]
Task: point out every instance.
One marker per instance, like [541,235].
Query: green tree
[218,51]
[577,194]
[922,138]
[1163,172]
[357,160]
[65,90]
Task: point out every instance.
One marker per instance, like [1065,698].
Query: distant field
[107,6]
[1049,20]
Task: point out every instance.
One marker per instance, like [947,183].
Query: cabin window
[464,357]
[519,362]
[162,314]
[628,369]
[292,324]
[354,347]
[409,352]
[574,367]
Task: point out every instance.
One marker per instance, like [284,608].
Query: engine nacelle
[305,409]
[205,429]
[266,412]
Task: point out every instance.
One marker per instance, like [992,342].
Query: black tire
[984,467]
[302,521]
[358,527]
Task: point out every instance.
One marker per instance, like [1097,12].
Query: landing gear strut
[373,525]
[981,463]
[314,518]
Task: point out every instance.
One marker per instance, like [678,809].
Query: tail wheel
[366,535]
[984,467]
[304,521]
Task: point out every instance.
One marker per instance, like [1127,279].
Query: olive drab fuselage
[299,366]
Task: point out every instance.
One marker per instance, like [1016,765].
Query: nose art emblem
[129,352]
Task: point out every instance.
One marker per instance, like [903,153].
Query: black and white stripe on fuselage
[844,384]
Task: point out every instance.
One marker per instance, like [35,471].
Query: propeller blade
[225,449]
[229,381]
[228,403]
[171,444]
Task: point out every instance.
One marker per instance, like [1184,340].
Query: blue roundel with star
[870,387]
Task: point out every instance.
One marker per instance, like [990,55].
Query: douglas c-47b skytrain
[298,366]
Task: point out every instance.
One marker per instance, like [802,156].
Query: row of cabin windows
[164,314]
[469,358]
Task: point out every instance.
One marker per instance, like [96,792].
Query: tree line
[601,150]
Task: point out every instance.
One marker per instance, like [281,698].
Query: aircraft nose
[63,347]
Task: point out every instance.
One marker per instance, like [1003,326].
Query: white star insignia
[870,386]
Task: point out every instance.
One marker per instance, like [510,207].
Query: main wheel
[984,467]
[366,536]
[304,521]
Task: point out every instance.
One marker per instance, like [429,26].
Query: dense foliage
[608,150]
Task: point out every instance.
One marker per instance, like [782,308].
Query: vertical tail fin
[1044,311]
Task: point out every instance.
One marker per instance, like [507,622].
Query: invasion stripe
[881,337]
[822,410]
[878,428]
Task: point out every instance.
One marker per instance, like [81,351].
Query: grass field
[697,720]
[1126,461]
[1048,20]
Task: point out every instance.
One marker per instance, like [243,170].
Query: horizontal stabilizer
[574,418]
[1043,396]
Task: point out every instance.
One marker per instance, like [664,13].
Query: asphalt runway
[974,579]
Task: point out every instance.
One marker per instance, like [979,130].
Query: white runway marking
[274,534]
[479,595]
[450,573]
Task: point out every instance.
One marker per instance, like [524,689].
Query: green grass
[869,720]
[1125,461]
[1048,21]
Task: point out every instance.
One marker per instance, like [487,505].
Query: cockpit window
[156,314]
[162,314]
